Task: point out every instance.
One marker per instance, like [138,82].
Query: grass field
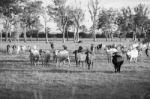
[20,80]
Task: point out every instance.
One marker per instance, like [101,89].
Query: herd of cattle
[82,55]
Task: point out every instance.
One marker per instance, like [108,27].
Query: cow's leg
[89,66]
[69,61]
[57,63]
[82,64]
[131,59]
[92,64]
[79,63]
[135,60]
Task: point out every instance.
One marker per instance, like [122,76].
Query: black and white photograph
[74,49]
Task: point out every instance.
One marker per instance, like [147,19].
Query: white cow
[61,56]
[133,55]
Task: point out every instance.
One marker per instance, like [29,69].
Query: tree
[44,15]
[78,17]
[134,22]
[93,10]
[125,22]
[140,18]
[30,16]
[60,14]
[7,10]
[106,21]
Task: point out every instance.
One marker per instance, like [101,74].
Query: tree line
[21,18]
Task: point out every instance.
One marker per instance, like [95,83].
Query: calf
[117,61]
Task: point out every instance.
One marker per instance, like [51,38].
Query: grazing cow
[90,57]
[117,61]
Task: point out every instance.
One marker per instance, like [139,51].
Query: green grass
[20,80]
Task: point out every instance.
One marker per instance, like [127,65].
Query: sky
[115,4]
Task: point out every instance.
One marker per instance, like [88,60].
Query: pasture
[20,80]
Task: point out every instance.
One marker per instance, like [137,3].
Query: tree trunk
[134,36]
[1,37]
[74,37]
[63,37]
[111,35]
[47,38]
[126,35]
[74,34]
[30,37]
[145,35]
[25,36]
[94,24]
[64,30]
[37,36]
[18,37]
[67,35]
[106,39]
[6,37]
[46,33]
[77,34]
[94,35]
[120,38]
[139,38]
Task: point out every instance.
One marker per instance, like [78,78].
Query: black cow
[117,61]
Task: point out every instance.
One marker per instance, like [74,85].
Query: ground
[20,80]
